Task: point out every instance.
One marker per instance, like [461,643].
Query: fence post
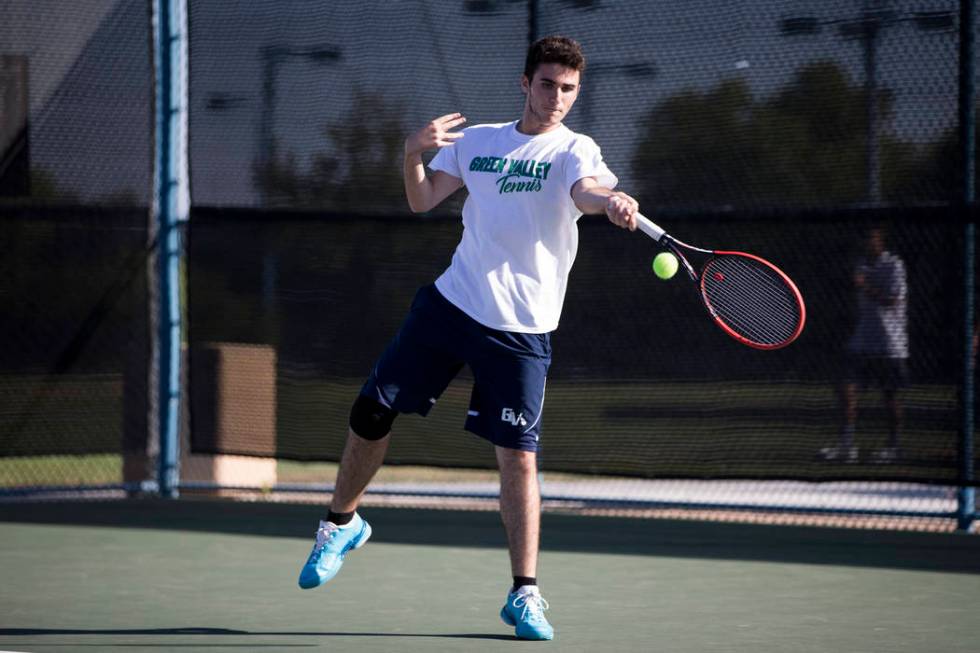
[171,203]
[966,508]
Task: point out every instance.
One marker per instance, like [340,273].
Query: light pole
[492,7]
[602,70]
[867,27]
[273,56]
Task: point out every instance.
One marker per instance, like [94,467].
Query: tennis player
[493,309]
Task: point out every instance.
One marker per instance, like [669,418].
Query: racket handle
[648,227]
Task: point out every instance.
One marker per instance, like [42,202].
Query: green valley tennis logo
[519,175]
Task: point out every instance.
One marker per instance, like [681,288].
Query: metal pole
[270,62]
[966,504]
[170,205]
[873,171]
[532,21]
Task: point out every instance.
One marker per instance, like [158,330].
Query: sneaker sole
[507,619]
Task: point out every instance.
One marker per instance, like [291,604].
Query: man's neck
[533,128]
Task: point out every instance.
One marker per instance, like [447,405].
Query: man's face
[550,93]
[875,244]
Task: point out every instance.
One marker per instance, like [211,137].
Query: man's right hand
[435,134]
[424,193]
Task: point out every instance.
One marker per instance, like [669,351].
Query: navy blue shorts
[431,347]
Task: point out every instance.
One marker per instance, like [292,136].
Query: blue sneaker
[525,610]
[332,544]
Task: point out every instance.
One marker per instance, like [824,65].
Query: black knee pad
[371,420]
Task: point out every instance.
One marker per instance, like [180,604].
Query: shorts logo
[517,419]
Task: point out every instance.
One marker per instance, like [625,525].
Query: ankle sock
[520,581]
[340,518]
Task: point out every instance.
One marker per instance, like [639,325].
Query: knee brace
[371,420]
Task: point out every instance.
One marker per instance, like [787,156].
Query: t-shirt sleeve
[585,160]
[447,160]
[897,284]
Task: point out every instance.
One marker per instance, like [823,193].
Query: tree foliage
[360,168]
[805,145]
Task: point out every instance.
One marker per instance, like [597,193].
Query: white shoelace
[323,535]
[531,602]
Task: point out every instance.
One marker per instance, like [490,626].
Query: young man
[878,350]
[493,309]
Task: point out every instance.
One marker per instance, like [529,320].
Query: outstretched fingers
[441,127]
[435,134]
[450,120]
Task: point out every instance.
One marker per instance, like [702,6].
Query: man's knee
[371,420]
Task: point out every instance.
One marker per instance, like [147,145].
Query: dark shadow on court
[27,632]
[950,552]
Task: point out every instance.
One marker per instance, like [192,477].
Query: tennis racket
[751,299]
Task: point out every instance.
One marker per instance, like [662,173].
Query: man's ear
[525,84]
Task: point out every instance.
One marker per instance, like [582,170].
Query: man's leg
[889,453]
[845,450]
[892,377]
[344,529]
[895,417]
[520,508]
[412,372]
[849,408]
[359,463]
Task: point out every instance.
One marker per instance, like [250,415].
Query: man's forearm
[591,198]
[593,201]
[418,188]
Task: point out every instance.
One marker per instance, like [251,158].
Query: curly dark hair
[554,49]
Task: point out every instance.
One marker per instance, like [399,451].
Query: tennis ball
[665,265]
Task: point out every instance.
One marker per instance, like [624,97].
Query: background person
[878,350]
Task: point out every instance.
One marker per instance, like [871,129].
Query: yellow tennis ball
[665,265]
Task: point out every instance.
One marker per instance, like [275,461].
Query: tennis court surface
[202,575]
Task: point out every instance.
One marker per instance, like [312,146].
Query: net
[76,86]
[695,105]
[776,128]
[642,383]
[779,128]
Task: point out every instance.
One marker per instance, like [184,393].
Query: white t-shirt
[882,329]
[520,237]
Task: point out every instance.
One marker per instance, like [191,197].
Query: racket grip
[648,227]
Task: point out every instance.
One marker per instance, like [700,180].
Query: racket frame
[737,336]
[674,246]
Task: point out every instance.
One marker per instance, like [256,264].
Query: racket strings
[769,288]
[751,299]
[757,321]
[756,305]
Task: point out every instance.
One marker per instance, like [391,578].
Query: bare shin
[358,465]
[520,508]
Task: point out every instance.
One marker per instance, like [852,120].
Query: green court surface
[205,575]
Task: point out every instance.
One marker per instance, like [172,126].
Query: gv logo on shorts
[517,419]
